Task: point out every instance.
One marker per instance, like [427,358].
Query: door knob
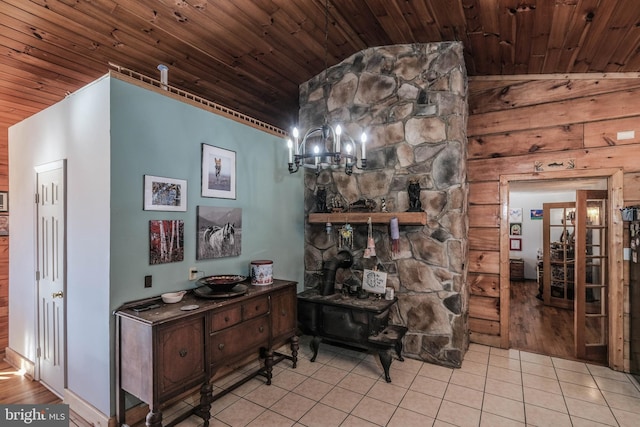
[58,294]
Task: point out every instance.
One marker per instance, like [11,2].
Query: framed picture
[219,232]
[515,244]
[164,194]
[218,172]
[515,214]
[166,241]
[4,201]
[536,213]
[515,229]
[4,225]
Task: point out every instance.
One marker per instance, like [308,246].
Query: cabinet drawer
[255,308]
[247,337]
[226,318]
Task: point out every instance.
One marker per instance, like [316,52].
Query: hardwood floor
[17,389]
[538,328]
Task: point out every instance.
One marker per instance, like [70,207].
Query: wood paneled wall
[517,121]
[4,246]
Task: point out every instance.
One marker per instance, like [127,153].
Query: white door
[50,274]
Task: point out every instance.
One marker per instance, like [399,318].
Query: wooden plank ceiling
[251,55]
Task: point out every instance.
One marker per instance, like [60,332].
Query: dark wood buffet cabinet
[166,352]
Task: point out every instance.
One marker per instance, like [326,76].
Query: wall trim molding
[86,411]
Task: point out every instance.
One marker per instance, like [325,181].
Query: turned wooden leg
[268,364]
[315,346]
[294,350]
[153,419]
[206,397]
[385,360]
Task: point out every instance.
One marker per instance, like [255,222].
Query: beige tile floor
[493,388]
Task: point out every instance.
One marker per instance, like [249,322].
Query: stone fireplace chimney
[412,102]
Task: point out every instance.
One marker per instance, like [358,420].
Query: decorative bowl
[222,282]
[172,297]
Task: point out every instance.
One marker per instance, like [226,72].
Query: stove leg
[268,364]
[399,350]
[385,359]
[315,346]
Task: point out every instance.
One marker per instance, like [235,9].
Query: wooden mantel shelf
[404,218]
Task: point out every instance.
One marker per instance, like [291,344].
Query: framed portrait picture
[4,225]
[515,229]
[218,172]
[164,194]
[4,201]
[515,244]
[219,232]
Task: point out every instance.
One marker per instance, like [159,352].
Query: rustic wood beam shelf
[404,218]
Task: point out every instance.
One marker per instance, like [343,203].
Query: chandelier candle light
[330,147]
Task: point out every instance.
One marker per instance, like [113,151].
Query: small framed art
[4,225]
[4,201]
[165,194]
[515,229]
[218,172]
[515,244]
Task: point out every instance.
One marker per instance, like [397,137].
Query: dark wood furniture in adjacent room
[516,269]
[349,320]
[168,351]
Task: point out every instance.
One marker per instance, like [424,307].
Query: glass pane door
[559,254]
[591,324]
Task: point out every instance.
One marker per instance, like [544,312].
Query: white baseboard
[18,361]
[86,411]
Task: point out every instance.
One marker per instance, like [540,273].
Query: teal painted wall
[152,134]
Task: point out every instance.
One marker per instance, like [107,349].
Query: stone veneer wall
[412,102]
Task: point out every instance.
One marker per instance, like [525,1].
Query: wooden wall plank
[632,188]
[484,285]
[623,156]
[484,307]
[484,339]
[525,142]
[484,239]
[500,95]
[484,215]
[483,193]
[488,327]
[605,133]
[578,110]
[484,262]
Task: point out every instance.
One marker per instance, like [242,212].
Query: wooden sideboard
[166,352]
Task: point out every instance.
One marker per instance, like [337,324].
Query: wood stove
[357,322]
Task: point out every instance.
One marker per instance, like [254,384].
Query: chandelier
[326,146]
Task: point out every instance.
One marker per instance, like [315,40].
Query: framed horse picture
[218,172]
[219,232]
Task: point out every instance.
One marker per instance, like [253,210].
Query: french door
[591,313]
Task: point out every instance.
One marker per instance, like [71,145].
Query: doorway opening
[550,329]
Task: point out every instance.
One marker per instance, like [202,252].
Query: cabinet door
[180,350]
[283,313]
